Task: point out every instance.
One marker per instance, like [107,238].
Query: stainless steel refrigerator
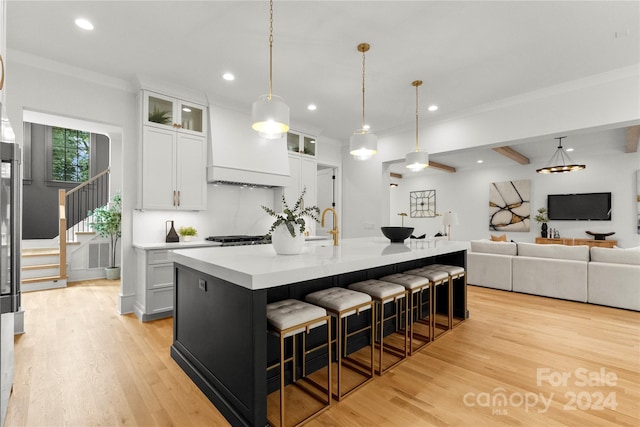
[10,185]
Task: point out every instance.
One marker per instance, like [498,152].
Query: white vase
[284,244]
[187,238]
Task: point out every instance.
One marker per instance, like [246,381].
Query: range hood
[238,155]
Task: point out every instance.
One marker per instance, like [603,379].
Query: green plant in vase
[542,218]
[187,233]
[106,222]
[290,217]
[159,116]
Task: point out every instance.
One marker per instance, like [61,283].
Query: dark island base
[221,340]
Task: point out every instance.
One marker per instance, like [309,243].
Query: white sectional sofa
[489,264]
[602,276]
[556,271]
[614,278]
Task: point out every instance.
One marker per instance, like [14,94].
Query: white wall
[467,193]
[52,88]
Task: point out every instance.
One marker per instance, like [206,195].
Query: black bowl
[397,234]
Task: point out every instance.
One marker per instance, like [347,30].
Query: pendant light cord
[417,146]
[363,52]
[270,49]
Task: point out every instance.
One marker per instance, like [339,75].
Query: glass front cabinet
[172,113]
[300,143]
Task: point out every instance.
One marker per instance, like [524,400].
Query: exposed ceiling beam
[512,154]
[441,167]
[633,135]
[395,175]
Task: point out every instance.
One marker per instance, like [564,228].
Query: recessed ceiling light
[480,161]
[84,24]
[186,109]
[228,77]
[433,108]
[569,149]
[311,107]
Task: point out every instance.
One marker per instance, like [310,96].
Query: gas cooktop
[239,240]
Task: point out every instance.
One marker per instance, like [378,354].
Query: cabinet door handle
[2,78]
[178,197]
[174,197]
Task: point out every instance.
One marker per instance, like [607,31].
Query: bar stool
[343,303]
[455,272]
[416,286]
[383,293]
[289,318]
[438,278]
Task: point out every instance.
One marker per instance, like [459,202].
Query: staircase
[45,262]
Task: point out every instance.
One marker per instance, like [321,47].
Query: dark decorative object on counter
[172,236]
[397,234]
[599,236]
[543,233]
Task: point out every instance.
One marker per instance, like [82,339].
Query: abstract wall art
[510,205]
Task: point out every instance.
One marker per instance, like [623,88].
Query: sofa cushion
[576,253]
[616,256]
[489,247]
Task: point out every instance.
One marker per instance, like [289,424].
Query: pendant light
[417,160]
[270,113]
[363,143]
[560,162]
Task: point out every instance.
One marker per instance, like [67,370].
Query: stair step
[69,242]
[35,252]
[40,266]
[42,279]
[85,232]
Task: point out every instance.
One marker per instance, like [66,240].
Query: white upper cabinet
[171,113]
[173,154]
[300,143]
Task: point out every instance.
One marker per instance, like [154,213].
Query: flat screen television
[586,207]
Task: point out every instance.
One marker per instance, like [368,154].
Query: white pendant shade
[270,117]
[363,145]
[417,160]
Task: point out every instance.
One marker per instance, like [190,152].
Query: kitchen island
[220,296]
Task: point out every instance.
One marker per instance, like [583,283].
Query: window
[70,157]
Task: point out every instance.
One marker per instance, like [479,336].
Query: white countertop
[259,267]
[177,245]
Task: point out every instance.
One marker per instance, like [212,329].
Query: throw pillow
[502,238]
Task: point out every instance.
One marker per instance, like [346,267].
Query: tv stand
[576,242]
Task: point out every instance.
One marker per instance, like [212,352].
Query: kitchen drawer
[157,257]
[159,275]
[160,300]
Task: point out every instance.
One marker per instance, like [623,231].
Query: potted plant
[287,231]
[106,222]
[159,116]
[541,217]
[187,233]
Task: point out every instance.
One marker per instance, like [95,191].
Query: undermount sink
[397,234]
[314,238]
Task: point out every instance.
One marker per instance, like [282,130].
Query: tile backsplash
[230,210]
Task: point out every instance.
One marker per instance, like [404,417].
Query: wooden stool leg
[282,379]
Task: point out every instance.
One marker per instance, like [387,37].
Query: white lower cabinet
[154,285]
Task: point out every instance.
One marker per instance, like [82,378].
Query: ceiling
[467,53]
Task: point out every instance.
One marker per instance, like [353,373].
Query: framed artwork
[422,204]
[510,205]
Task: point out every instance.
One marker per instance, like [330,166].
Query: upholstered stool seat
[382,293]
[342,303]
[417,286]
[287,319]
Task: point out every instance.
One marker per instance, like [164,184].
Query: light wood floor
[82,364]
